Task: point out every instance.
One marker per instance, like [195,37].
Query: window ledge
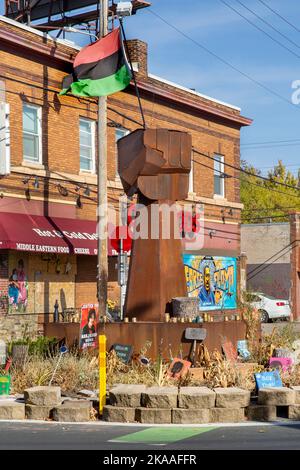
[218,196]
[34,165]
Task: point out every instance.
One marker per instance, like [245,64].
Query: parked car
[269,307]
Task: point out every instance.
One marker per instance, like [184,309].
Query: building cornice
[36,42]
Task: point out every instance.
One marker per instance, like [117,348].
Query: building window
[219,189]
[87,145]
[32,133]
[119,133]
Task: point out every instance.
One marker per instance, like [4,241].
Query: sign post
[102,373]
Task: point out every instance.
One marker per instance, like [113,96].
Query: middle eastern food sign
[212,279]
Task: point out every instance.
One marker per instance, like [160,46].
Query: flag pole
[102,266]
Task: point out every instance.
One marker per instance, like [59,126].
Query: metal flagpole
[102,266]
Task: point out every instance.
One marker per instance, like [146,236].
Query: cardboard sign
[123,351]
[281,363]
[178,368]
[268,379]
[89,326]
[242,347]
[229,351]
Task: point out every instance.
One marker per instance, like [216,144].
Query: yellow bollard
[102,373]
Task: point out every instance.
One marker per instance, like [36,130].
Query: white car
[269,307]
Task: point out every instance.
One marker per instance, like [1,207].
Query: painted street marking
[161,435]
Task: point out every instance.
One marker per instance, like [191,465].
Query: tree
[268,201]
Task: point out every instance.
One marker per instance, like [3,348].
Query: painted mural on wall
[18,289]
[213,279]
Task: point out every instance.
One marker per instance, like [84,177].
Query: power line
[233,67]
[280,16]
[258,147]
[248,182]
[249,172]
[259,209]
[268,24]
[270,142]
[260,29]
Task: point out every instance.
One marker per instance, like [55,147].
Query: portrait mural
[18,289]
[212,279]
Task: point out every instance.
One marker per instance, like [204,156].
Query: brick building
[50,183]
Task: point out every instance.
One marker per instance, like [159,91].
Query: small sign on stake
[123,351]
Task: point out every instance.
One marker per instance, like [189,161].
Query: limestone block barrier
[11,410]
[278,396]
[124,395]
[232,397]
[199,405]
[43,396]
[72,411]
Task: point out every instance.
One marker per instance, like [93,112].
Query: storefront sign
[89,326]
[213,280]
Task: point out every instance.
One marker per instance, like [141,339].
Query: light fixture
[26,180]
[62,190]
[225,175]
[27,194]
[78,188]
[36,183]
[230,212]
[124,9]
[87,191]
[78,202]
[212,233]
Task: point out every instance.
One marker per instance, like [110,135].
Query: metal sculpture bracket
[155,164]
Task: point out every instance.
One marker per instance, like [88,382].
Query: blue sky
[225,33]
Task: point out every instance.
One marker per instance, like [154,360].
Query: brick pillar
[295,265]
[3,281]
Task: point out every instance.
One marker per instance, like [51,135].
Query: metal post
[102,268]
[102,373]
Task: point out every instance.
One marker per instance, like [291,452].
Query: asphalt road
[97,436]
[267,328]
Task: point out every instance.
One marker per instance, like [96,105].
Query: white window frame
[93,135]
[39,134]
[218,172]
[191,177]
[4,139]
[126,132]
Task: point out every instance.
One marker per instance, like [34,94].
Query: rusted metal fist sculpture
[155,164]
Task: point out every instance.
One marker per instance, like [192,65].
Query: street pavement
[98,436]
[267,328]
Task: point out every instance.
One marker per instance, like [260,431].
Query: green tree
[268,201]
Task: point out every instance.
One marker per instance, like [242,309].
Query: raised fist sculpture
[155,164]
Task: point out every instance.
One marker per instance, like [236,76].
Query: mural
[18,289]
[213,279]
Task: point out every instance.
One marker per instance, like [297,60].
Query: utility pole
[102,267]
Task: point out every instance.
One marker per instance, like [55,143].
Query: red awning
[42,234]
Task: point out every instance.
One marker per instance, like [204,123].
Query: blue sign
[268,379]
[212,279]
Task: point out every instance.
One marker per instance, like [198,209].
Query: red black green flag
[99,69]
